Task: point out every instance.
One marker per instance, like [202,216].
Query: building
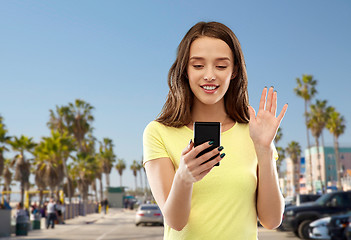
[293,178]
[323,165]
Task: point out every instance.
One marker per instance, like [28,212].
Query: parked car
[348,230]
[337,226]
[301,198]
[297,201]
[319,229]
[148,213]
[298,218]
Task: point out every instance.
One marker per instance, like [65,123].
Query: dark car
[302,198]
[337,226]
[348,230]
[298,218]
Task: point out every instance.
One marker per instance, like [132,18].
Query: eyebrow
[201,58]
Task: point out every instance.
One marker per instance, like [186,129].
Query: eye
[222,67]
[198,66]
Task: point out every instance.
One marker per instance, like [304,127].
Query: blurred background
[80,80]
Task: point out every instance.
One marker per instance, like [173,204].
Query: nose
[209,74]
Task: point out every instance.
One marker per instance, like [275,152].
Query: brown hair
[176,112]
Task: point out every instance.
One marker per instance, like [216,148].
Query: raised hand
[264,126]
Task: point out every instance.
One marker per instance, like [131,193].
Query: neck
[209,113]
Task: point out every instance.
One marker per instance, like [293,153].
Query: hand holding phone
[205,132]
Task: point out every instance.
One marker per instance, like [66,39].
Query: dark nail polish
[211,142]
[222,155]
[190,141]
[220,148]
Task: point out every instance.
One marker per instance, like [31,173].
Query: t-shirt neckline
[225,132]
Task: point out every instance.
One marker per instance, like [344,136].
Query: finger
[263,99]
[252,113]
[282,113]
[274,103]
[209,155]
[208,165]
[269,99]
[196,150]
[188,148]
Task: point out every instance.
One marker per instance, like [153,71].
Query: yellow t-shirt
[223,203]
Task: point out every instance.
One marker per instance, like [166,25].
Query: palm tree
[84,168]
[317,119]
[120,166]
[336,126]
[4,138]
[135,168]
[50,154]
[60,121]
[107,157]
[81,115]
[7,177]
[22,172]
[294,151]
[306,89]
[280,150]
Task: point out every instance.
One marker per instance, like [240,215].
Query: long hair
[176,111]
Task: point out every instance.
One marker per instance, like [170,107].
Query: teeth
[209,87]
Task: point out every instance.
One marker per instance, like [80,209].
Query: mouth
[209,88]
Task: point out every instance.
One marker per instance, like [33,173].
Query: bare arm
[172,189]
[263,128]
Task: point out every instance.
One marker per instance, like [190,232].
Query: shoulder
[155,128]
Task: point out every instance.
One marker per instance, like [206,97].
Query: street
[118,224]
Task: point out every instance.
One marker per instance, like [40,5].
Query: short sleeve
[275,153]
[153,146]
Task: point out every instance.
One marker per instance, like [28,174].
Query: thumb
[252,112]
[188,148]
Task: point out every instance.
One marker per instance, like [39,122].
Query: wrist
[265,153]
[182,179]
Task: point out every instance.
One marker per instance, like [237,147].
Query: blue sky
[116,56]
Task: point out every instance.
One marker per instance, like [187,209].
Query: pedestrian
[20,211]
[208,83]
[105,205]
[60,209]
[51,214]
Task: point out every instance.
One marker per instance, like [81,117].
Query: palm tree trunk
[68,181]
[337,163]
[135,183]
[22,192]
[120,180]
[320,165]
[107,179]
[101,191]
[293,175]
[141,180]
[309,147]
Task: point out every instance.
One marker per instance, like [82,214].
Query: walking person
[208,83]
[51,214]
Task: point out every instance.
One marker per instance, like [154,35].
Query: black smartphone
[205,132]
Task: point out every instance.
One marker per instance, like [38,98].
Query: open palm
[263,126]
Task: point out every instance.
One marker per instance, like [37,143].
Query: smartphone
[205,132]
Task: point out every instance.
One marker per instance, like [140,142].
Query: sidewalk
[69,224]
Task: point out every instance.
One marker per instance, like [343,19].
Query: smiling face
[209,70]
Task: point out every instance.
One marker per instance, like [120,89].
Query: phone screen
[205,132]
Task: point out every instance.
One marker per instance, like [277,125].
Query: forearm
[176,209]
[270,202]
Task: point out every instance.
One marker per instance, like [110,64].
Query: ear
[235,72]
